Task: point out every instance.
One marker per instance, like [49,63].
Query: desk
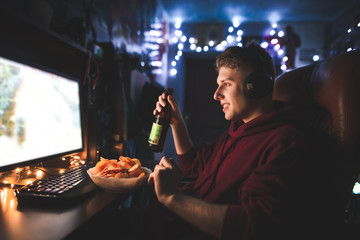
[38,223]
[18,221]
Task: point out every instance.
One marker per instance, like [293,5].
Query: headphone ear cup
[258,85]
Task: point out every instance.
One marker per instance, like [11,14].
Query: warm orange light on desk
[39,174]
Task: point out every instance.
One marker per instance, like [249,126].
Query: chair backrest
[328,94]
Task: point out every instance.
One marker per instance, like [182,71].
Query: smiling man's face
[230,93]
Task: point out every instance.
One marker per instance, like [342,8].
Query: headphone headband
[260,82]
[259,60]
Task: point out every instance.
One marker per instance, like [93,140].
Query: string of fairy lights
[353,32]
[28,174]
[185,43]
[234,37]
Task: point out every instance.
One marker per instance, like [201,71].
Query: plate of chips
[119,176]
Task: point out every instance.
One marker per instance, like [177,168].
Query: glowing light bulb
[230,38]
[4,194]
[173,72]
[219,48]
[236,21]
[356,189]
[274,41]
[178,33]
[177,25]
[178,22]
[316,58]
[174,40]
[264,44]
[39,174]
[211,43]
[155,33]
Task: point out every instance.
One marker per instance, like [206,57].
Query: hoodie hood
[265,122]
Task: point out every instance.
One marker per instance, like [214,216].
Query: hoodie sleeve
[193,162]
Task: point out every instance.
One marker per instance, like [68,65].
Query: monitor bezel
[6,55]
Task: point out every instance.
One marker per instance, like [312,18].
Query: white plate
[119,185]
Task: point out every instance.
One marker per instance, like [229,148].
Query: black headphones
[258,85]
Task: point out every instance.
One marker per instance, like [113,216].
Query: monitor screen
[40,114]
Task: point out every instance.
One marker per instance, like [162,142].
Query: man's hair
[253,56]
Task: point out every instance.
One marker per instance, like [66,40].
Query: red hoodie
[263,171]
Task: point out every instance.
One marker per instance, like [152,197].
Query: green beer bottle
[160,126]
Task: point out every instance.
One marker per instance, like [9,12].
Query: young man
[255,181]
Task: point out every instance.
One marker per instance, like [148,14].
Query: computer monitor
[40,114]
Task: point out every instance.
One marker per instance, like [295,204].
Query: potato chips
[125,167]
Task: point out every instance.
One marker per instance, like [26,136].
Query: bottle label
[155,134]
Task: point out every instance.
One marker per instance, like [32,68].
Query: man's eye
[226,84]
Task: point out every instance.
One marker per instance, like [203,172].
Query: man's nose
[217,95]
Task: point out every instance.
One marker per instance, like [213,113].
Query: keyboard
[65,186]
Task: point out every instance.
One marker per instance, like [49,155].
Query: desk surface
[30,222]
[18,221]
